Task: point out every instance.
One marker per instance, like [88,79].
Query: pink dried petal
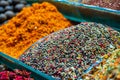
[25,73]
[28,79]
[4,77]
[2,73]
[17,71]
[18,78]
[12,75]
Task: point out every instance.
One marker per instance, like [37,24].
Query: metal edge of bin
[93,7]
[86,13]
[87,6]
[95,64]
[81,13]
[96,9]
[31,1]
[91,67]
[16,64]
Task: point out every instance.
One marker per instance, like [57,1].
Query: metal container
[82,12]
[16,64]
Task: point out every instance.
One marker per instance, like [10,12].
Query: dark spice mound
[70,52]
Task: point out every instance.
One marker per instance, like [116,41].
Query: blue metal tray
[16,64]
[36,74]
[82,12]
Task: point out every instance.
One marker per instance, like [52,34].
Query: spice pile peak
[28,26]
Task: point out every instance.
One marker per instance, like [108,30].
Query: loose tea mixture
[113,4]
[28,26]
[68,53]
[109,69]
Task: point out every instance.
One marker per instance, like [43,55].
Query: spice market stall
[43,39]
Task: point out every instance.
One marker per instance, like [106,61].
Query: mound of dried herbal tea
[107,70]
[68,53]
[112,4]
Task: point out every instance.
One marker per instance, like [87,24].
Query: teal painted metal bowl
[16,64]
[86,13]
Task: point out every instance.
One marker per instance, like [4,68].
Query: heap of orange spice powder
[28,26]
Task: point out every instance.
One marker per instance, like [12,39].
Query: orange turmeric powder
[31,24]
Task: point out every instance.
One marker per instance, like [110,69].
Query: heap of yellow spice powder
[31,24]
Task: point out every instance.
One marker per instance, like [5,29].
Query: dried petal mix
[107,70]
[68,53]
[112,4]
[15,75]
